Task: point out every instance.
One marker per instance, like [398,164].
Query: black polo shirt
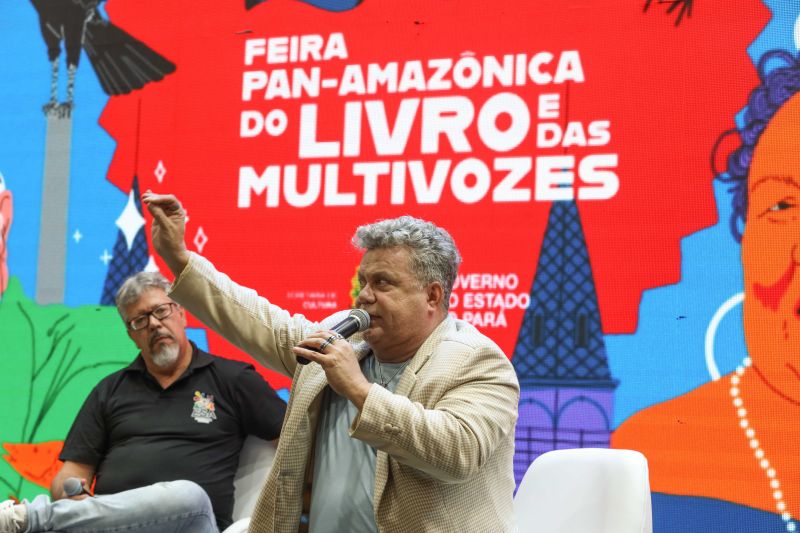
[135,433]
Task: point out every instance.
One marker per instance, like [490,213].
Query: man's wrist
[359,396]
[177,262]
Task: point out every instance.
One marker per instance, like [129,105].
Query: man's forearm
[264,331]
[450,440]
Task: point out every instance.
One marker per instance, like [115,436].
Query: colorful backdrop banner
[621,179]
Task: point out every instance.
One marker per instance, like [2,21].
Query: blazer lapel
[408,381]
[409,377]
[311,380]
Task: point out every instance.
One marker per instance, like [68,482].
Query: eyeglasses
[161,312]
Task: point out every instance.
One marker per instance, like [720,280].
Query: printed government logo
[203,410]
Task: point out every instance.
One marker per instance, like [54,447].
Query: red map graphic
[651,80]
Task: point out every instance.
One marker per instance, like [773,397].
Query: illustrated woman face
[771,253]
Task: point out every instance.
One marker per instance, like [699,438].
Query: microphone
[73,487]
[357,320]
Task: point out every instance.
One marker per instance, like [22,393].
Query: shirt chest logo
[203,410]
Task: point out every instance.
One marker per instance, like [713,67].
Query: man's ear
[435,294]
[182,312]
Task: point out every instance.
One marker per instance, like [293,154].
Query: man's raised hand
[168,229]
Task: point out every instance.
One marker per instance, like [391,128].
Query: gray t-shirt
[344,467]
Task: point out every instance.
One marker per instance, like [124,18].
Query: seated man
[159,438]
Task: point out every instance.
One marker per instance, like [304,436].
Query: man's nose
[365,295]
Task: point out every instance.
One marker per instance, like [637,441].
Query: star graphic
[130,221]
[151,265]
[106,257]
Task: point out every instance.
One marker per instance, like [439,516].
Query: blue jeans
[173,506]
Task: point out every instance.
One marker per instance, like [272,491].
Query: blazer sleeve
[247,320]
[454,435]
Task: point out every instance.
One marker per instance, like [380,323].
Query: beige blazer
[445,437]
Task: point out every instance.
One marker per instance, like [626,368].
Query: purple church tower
[567,392]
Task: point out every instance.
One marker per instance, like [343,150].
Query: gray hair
[136,285]
[434,255]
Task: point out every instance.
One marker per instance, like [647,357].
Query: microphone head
[362,317]
[72,486]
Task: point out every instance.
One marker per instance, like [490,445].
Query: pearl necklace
[760,456]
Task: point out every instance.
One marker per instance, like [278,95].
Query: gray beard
[166,355]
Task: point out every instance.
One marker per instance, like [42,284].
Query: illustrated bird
[37,462]
[327,5]
[121,62]
[683,7]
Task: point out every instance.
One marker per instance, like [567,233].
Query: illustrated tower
[52,262]
[131,254]
[567,391]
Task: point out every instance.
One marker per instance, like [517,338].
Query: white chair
[585,489]
[255,461]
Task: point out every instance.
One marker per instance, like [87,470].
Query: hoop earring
[711,332]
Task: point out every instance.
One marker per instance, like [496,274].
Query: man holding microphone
[407,427]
